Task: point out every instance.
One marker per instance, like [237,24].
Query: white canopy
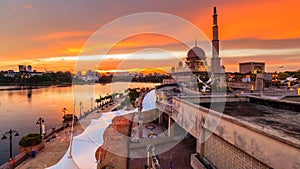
[86,144]
[149,101]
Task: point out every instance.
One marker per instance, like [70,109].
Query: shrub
[31,139]
[117,108]
[69,117]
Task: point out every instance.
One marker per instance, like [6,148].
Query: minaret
[215,60]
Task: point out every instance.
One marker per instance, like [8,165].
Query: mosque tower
[215,60]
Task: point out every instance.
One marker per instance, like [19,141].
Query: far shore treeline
[66,78]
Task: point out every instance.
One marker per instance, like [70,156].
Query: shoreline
[55,149]
[38,86]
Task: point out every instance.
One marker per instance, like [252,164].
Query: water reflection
[29,94]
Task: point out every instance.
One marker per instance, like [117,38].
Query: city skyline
[51,34]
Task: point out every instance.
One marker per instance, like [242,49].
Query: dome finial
[196,42]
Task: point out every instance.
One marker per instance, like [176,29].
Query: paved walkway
[56,148]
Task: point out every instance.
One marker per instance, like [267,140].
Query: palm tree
[106,100]
[127,102]
[113,96]
[101,102]
[110,99]
[98,102]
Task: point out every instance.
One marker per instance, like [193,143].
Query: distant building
[22,68]
[173,69]
[121,74]
[29,68]
[24,73]
[11,73]
[90,76]
[253,67]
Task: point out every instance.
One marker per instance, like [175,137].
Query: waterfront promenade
[57,147]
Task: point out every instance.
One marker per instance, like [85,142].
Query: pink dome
[197,53]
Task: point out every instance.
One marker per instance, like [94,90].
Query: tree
[127,102]
[98,101]
[102,102]
[31,139]
[133,94]
[282,75]
[68,118]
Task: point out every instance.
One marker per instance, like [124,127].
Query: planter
[28,150]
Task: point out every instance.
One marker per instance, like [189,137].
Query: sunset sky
[49,34]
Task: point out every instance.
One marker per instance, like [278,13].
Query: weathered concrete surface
[179,153]
[261,143]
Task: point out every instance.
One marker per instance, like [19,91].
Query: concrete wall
[257,146]
[217,98]
[240,85]
[224,155]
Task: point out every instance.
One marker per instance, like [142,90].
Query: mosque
[196,60]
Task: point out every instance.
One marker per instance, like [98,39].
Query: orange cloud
[147,41]
[62,35]
[71,50]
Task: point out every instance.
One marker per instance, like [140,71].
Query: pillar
[202,143]
[160,117]
[140,119]
[149,159]
[170,127]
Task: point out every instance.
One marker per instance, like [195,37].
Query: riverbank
[57,147]
[18,86]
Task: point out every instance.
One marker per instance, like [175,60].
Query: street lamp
[39,122]
[64,110]
[10,132]
[92,103]
[80,108]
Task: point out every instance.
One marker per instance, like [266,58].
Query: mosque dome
[196,59]
[196,53]
[179,64]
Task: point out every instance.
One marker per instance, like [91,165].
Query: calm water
[20,109]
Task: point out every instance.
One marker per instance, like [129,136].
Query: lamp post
[80,108]
[91,103]
[10,132]
[40,121]
[64,111]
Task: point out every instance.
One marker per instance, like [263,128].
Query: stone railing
[29,149]
[164,106]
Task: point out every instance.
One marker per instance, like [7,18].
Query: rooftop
[277,118]
[284,122]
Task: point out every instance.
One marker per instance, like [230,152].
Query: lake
[20,109]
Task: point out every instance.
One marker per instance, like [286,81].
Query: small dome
[196,52]
[173,69]
[180,64]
